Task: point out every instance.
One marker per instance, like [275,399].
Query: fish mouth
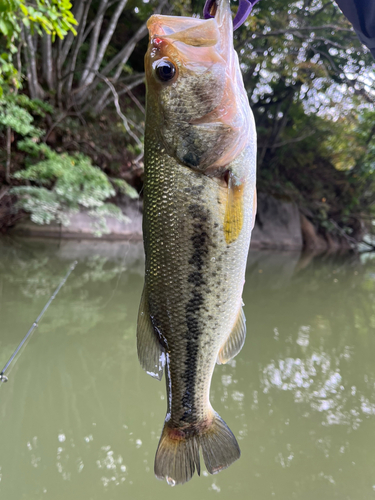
[197,32]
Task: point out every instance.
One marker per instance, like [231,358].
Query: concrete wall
[278,226]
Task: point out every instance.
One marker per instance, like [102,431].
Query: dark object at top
[361,13]
[243,12]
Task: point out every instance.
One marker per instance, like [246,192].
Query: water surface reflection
[80,419]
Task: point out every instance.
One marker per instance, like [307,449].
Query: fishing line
[3,377]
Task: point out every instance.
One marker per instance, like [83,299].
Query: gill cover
[202,109]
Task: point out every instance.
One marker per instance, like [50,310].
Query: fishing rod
[3,377]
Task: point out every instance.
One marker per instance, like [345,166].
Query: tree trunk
[125,53]
[36,91]
[68,78]
[117,62]
[9,144]
[47,61]
[106,39]
[93,43]
[78,10]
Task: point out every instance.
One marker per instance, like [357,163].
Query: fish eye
[165,70]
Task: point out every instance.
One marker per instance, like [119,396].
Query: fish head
[195,92]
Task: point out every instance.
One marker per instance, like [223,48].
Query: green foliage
[307,76]
[60,183]
[309,82]
[40,203]
[14,113]
[365,131]
[53,17]
[8,72]
[63,184]
[124,188]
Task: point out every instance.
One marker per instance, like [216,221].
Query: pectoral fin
[150,353]
[234,342]
[233,220]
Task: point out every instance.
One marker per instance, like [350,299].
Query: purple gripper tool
[243,12]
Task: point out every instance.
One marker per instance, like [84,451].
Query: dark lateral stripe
[198,260]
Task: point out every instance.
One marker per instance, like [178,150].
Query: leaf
[24,9]
[3,27]
[59,33]
[125,188]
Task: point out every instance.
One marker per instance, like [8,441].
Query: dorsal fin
[235,341]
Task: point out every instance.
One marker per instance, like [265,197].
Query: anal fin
[150,352]
[235,341]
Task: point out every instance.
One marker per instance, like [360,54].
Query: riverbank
[280,225]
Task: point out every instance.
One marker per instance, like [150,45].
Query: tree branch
[125,53]
[291,141]
[94,41]
[319,11]
[107,38]
[4,191]
[47,60]
[303,28]
[92,24]
[91,79]
[35,89]
[78,10]
[350,83]
[330,42]
[9,144]
[120,113]
[349,239]
[77,47]
[126,90]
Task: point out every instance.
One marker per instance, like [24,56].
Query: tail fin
[177,455]
[219,446]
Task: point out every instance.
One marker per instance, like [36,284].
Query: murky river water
[79,419]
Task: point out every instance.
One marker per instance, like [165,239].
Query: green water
[79,419]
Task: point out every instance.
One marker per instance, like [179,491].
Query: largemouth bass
[199,209]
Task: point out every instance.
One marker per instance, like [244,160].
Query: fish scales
[193,277]
[199,209]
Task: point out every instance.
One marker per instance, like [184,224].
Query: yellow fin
[150,352]
[234,342]
[233,219]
